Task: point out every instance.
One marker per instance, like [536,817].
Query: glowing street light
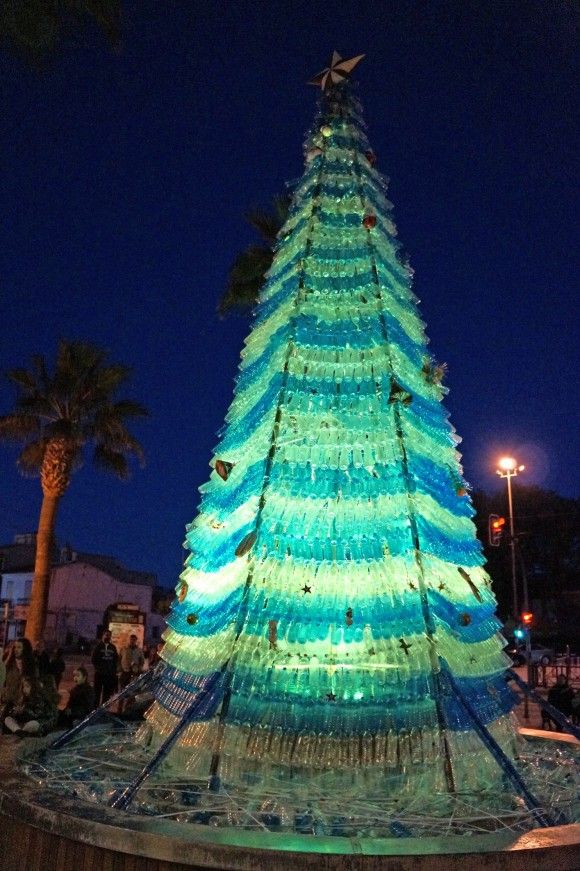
[508,468]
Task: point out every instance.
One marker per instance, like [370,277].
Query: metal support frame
[561,719]
[122,800]
[140,683]
[500,757]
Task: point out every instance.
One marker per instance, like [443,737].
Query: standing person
[132,659]
[57,666]
[105,659]
[80,701]
[2,669]
[42,659]
[19,662]
[155,654]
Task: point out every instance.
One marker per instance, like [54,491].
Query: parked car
[539,655]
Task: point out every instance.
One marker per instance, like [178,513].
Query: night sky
[125,177]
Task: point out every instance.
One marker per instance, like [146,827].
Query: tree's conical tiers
[335,577]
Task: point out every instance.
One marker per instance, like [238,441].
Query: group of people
[30,679]
[29,698]
[115,670]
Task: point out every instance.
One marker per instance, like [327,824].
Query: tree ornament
[306,589]
[472,586]
[273,634]
[465,619]
[348,617]
[404,645]
[326,131]
[458,482]
[192,619]
[223,468]
[331,697]
[313,153]
[371,157]
[369,221]
[246,544]
[182,593]
[434,372]
[399,394]
[336,72]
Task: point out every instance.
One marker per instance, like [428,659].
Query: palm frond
[246,279]
[111,461]
[77,401]
[269,222]
[248,273]
[126,408]
[30,458]
[23,379]
[18,426]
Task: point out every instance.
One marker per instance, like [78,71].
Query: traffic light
[527,619]
[495,529]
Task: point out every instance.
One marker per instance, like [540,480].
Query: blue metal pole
[124,799]
[500,757]
[139,684]
[561,719]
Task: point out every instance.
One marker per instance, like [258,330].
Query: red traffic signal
[495,529]
[527,619]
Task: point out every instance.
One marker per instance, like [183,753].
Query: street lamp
[508,469]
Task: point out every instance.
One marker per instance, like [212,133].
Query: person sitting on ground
[19,662]
[561,696]
[33,713]
[57,666]
[81,700]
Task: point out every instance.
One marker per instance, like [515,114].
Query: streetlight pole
[508,469]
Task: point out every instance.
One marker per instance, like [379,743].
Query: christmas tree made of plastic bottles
[334,587]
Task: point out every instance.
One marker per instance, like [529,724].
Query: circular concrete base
[43,831]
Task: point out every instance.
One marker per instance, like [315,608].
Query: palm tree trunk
[38,607]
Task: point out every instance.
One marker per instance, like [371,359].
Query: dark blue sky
[125,178]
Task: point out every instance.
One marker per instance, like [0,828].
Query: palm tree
[36,29]
[56,415]
[249,269]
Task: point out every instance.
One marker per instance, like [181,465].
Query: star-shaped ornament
[336,72]
[306,589]
[331,697]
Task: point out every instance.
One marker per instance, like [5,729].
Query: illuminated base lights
[331,668]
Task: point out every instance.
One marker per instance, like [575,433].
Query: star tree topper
[337,71]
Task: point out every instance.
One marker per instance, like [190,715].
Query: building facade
[82,587]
